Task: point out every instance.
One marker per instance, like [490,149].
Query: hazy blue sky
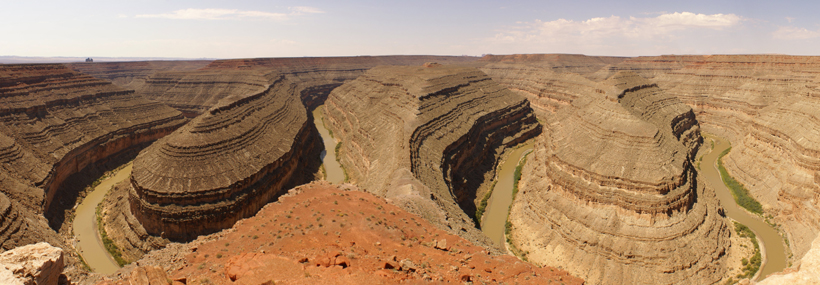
[236,29]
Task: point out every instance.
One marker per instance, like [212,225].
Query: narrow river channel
[495,215]
[89,244]
[333,170]
[773,249]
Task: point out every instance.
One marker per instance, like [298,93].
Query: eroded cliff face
[226,163]
[767,106]
[427,137]
[54,123]
[610,193]
[132,74]
[194,92]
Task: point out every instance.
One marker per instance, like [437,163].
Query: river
[773,250]
[333,170]
[89,244]
[494,220]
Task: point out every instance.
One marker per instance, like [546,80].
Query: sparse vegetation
[750,266]
[508,227]
[739,192]
[107,242]
[482,206]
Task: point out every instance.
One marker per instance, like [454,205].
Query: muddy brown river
[773,249]
[89,244]
[333,170]
[495,215]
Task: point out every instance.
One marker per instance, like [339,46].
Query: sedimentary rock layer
[767,106]
[194,92]
[132,74]
[546,89]
[226,163]
[427,137]
[611,195]
[54,122]
[575,63]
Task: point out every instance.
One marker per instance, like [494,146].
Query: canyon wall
[611,195]
[226,163]
[427,138]
[132,74]
[767,106]
[54,123]
[764,104]
[194,92]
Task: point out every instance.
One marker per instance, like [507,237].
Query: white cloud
[794,33]
[789,19]
[616,27]
[227,14]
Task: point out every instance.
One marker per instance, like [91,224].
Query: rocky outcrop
[334,234]
[610,193]
[132,74]
[226,163]
[38,263]
[54,123]
[427,138]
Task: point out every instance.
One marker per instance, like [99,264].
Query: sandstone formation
[194,92]
[132,74]
[767,106]
[427,138]
[560,63]
[611,195]
[323,234]
[38,263]
[226,163]
[546,89]
[54,123]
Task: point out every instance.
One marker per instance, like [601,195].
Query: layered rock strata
[194,92]
[611,195]
[226,163]
[132,74]
[766,105]
[427,137]
[547,90]
[54,123]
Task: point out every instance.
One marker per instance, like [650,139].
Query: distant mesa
[428,138]
[89,60]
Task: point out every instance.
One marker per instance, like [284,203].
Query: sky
[246,29]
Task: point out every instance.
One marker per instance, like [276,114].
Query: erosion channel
[495,216]
[89,243]
[333,170]
[774,252]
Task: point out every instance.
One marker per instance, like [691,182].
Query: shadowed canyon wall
[427,137]
[226,163]
[54,123]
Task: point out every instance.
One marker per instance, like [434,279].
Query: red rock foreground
[321,234]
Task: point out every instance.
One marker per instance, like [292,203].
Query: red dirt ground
[325,235]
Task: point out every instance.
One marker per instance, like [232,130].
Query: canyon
[610,194]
